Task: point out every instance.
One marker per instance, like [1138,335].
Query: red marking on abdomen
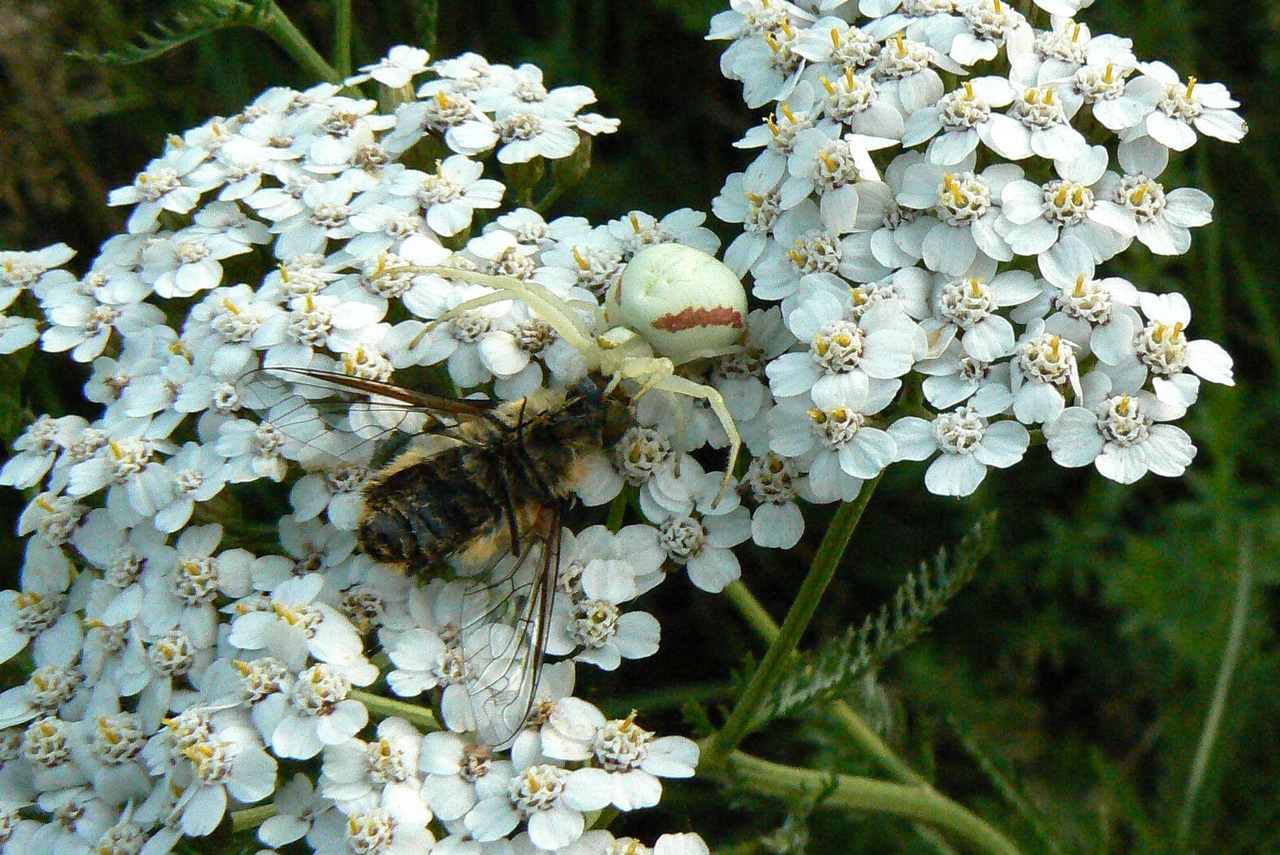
[717,316]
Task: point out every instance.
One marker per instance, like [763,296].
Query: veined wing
[504,633]
[328,418]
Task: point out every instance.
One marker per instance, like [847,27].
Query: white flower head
[1122,435]
[967,442]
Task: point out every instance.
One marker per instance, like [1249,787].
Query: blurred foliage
[1063,694]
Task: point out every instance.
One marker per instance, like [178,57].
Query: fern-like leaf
[831,668]
[187,24]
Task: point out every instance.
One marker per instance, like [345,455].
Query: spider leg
[660,374]
[542,300]
[473,303]
[675,384]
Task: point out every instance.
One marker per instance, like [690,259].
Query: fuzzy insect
[489,498]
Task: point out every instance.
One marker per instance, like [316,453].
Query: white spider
[673,304]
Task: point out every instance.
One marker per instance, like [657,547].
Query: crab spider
[673,304]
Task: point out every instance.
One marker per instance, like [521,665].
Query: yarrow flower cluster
[910,232]
[955,232]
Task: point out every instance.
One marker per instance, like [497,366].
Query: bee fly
[497,488]
[514,466]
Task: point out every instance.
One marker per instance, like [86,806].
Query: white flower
[161,187]
[182,583]
[774,483]
[40,619]
[966,308]
[704,546]
[1034,218]
[832,433]
[36,271]
[835,168]
[907,79]
[965,116]
[595,626]
[453,767]
[84,325]
[992,25]
[548,798]
[108,749]
[765,54]
[1096,314]
[195,474]
[382,771]
[294,625]
[898,240]
[1043,364]
[319,713]
[1120,434]
[740,376]
[968,441]
[635,760]
[16,332]
[637,229]
[401,829]
[1162,221]
[187,262]
[450,196]
[297,806]
[1177,110]
[954,376]
[1043,126]
[527,131]
[1163,352]
[37,449]
[258,449]
[967,207]
[212,765]
[401,64]
[850,355]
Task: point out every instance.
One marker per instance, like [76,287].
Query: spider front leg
[555,311]
[661,376]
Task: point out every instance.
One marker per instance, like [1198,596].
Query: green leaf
[832,668]
[187,24]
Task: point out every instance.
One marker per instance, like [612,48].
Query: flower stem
[342,36]
[282,31]
[775,661]
[384,707]
[1213,721]
[850,792]
[853,725]
[251,817]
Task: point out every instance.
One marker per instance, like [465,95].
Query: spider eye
[683,302]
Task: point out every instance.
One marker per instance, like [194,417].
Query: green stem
[617,510]
[342,36]
[281,30]
[251,817]
[854,727]
[853,793]
[770,671]
[420,716]
[428,24]
[760,621]
[1213,721]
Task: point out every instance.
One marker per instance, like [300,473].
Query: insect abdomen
[424,511]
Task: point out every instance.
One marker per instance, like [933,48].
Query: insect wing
[504,638]
[328,418]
